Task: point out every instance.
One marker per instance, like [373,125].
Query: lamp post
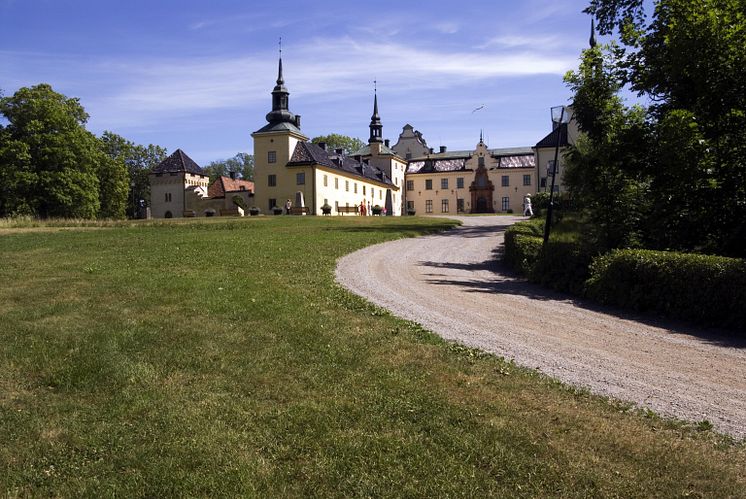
[559,116]
[132,186]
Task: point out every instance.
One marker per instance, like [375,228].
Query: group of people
[366,209]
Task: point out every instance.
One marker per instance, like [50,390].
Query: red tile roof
[226,184]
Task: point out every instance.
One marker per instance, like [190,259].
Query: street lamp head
[561,114]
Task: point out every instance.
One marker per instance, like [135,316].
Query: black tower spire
[280,100]
[592,40]
[376,129]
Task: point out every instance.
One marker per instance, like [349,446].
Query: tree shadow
[503,280]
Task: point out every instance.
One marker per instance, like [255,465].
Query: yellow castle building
[291,171]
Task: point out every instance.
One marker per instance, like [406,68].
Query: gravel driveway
[452,284]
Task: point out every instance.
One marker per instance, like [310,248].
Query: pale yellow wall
[340,189]
[419,195]
[515,191]
[543,156]
[175,185]
[283,143]
[394,167]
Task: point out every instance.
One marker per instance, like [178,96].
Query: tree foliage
[334,141]
[139,161]
[48,160]
[242,164]
[685,151]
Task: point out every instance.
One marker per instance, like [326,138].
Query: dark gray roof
[365,151]
[279,127]
[306,153]
[178,162]
[551,139]
[503,151]
[437,165]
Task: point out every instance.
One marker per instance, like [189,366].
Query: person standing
[288,205]
[527,210]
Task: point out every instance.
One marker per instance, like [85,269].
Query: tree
[242,164]
[333,141]
[688,60]
[48,160]
[603,168]
[139,161]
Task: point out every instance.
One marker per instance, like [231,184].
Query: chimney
[358,158]
[322,145]
[442,149]
[431,150]
[339,151]
[386,142]
[233,175]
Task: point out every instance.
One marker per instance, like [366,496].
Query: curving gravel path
[452,284]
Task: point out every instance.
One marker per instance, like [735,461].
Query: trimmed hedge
[563,266]
[523,245]
[705,289]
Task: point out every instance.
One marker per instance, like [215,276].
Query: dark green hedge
[705,289]
[522,245]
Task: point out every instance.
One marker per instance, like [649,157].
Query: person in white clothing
[527,210]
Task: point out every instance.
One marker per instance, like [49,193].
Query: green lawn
[217,357]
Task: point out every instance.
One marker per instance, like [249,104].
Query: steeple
[376,129]
[280,98]
[592,40]
[481,137]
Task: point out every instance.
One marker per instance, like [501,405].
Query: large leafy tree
[242,164]
[139,161]
[688,60]
[334,141]
[49,162]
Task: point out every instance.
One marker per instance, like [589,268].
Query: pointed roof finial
[280,80]
[592,40]
[376,129]
[481,137]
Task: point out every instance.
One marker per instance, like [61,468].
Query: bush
[522,245]
[709,290]
[563,265]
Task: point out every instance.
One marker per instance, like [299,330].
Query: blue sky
[197,75]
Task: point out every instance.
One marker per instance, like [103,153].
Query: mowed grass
[218,358]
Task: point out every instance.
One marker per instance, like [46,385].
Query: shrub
[523,245]
[239,201]
[563,265]
[709,290]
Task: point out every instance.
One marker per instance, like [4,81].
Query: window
[410,205]
[347,185]
[460,205]
[410,185]
[408,155]
[363,190]
[460,183]
[336,183]
[325,180]
[444,206]
[380,194]
[354,187]
[271,156]
[272,203]
[444,183]
[505,204]
[271,180]
[550,167]
[543,184]
[372,193]
[300,178]
[168,197]
[428,185]
[527,180]
[505,181]
[429,206]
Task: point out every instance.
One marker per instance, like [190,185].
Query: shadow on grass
[504,281]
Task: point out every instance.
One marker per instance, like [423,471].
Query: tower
[274,144]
